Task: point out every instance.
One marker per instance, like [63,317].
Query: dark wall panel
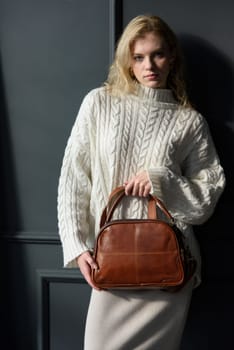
[211,318]
[20,262]
[63,301]
[70,310]
[209,20]
[52,53]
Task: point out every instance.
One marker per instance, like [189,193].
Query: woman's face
[151,61]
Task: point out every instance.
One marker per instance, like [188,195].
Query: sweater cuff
[157,176]
[71,251]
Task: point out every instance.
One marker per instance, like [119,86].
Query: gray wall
[52,53]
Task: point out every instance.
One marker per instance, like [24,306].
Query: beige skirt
[137,320]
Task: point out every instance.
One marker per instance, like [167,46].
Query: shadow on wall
[9,218]
[10,223]
[210,84]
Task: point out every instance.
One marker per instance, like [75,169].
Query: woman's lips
[152,76]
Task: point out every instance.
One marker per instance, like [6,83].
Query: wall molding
[26,237]
[44,279]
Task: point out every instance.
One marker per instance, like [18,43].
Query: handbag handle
[116,196]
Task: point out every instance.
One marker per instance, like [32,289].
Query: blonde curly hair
[120,79]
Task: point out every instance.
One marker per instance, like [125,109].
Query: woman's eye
[159,54]
[138,58]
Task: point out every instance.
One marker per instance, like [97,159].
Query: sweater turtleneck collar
[156,95]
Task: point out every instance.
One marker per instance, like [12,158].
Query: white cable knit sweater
[115,138]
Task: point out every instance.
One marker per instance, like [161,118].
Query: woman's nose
[149,63]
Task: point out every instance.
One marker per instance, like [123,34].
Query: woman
[138,130]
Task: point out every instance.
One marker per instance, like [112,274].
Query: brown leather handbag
[141,253]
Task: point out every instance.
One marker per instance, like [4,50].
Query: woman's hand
[86,263]
[139,185]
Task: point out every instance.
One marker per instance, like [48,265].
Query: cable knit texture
[115,138]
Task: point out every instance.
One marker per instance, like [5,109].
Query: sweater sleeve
[192,195]
[75,187]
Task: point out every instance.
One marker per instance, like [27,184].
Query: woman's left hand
[139,185]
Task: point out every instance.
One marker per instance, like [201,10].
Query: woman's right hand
[86,264]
